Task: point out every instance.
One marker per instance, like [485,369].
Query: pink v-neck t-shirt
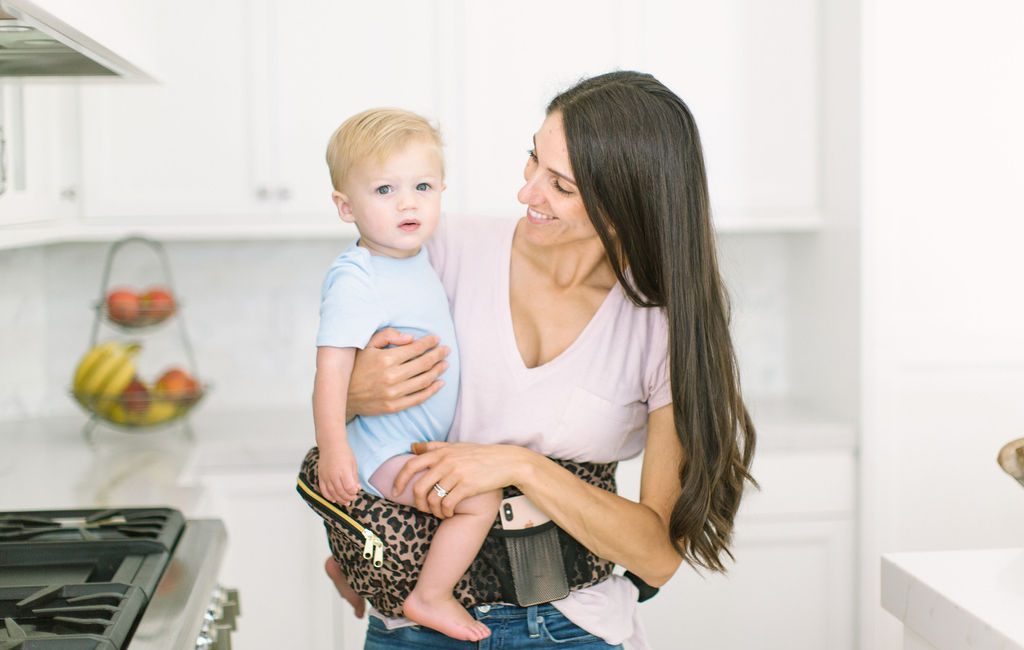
[590,403]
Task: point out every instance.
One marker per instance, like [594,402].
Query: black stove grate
[80,579]
[161,525]
[71,617]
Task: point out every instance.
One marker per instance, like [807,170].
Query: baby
[388,174]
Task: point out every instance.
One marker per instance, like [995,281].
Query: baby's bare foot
[341,584]
[445,615]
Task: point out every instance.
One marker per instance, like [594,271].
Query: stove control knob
[223,638]
[229,608]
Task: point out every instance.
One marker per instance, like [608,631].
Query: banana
[91,357]
[104,372]
[161,411]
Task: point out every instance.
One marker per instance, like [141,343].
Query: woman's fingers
[387,337]
[391,379]
[415,465]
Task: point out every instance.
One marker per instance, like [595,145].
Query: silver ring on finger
[441,492]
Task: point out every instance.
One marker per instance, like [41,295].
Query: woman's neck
[575,264]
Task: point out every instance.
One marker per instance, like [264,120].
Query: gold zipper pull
[368,547]
[378,552]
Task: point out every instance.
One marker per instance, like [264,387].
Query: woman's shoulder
[470,228]
[458,235]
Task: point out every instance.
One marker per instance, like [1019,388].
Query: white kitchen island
[957,600]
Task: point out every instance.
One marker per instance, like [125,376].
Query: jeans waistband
[505,610]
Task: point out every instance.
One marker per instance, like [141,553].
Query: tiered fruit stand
[106,383]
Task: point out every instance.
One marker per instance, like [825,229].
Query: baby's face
[395,204]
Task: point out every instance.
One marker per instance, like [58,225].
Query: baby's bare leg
[452,550]
[346,590]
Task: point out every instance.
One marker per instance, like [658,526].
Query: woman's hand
[391,379]
[463,469]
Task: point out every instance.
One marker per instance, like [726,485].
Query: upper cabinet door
[328,60]
[178,149]
[248,94]
[748,70]
[38,182]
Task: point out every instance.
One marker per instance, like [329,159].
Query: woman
[612,338]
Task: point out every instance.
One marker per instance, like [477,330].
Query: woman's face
[554,212]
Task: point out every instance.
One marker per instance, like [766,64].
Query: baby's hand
[339,480]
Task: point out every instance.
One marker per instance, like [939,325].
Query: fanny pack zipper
[373,547]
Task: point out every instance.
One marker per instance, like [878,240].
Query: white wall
[251,311]
[943,363]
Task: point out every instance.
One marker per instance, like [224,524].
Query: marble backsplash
[251,309]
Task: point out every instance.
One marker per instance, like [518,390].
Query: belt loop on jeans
[531,622]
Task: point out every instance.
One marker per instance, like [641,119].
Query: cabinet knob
[263,193]
[69,194]
[283,194]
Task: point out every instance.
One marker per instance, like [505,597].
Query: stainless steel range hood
[35,43]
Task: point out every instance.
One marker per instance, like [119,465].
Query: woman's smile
[538,218]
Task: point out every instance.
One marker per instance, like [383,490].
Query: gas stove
[138,578]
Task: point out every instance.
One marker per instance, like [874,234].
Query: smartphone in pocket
[518,513]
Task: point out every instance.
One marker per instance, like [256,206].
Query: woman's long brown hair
[637,159]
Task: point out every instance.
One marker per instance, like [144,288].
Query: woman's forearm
[633,535]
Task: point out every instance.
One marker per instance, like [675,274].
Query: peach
[156,303]
[177,384]
[123,306]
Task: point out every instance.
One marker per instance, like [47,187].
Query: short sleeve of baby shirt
[350,306]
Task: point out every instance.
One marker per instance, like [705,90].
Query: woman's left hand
[462,469]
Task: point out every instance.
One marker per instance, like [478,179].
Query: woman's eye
[423,187]
[557,186]
[532,154]
[384,189]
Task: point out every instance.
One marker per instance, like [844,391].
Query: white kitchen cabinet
[792,585]
[180,148]
[276,548]
[236,129]
[38,154]
[749,71]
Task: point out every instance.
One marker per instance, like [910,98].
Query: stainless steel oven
[112,579]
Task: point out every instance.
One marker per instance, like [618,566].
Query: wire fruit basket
[107,383]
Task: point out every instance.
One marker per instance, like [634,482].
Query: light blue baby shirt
[363,293]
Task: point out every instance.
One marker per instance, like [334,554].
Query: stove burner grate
[91,615]
[162,525]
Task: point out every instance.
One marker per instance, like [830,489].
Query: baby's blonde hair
[375,134]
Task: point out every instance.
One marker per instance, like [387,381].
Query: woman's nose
[528,194]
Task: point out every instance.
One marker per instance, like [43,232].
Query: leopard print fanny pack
[380,545]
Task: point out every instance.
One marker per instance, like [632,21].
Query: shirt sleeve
[656,373]
[350,307]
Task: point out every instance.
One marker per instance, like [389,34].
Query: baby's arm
[339,481]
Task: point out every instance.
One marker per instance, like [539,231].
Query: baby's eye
[423,187]
[384,189]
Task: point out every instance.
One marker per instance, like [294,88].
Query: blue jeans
[512,628]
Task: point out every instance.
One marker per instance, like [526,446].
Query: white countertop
[48,463]
[958,600]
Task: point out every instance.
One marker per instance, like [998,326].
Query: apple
[177,384]
[123,306]
[135,397]
[156,303]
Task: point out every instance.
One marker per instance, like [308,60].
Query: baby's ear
[344,207]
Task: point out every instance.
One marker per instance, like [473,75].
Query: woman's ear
[344,207]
